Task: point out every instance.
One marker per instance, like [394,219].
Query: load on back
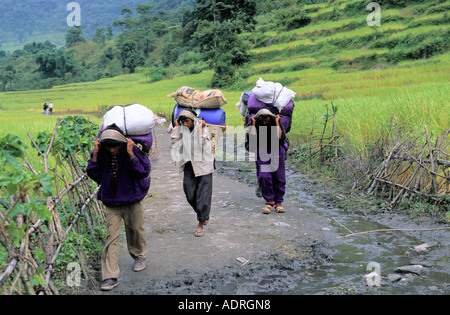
[272,96]
[189,97]
[206,104]
[136,122]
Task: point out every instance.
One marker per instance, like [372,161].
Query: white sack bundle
[133,119]
[273,93]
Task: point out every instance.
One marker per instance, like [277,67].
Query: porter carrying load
[136,122]
[192,98]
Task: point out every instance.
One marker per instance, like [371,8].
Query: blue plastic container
[215,116]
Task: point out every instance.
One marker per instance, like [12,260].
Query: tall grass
[416,92]
[20,123]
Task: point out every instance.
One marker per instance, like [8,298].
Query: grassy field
[22,113]
[416,92]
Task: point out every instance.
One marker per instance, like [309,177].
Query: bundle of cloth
[273,93]
[136,121]
[206,104]
[269,95]
[192,98]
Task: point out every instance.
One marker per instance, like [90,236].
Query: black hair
[182,117]
[271,121]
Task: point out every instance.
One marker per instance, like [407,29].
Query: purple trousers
[272,177]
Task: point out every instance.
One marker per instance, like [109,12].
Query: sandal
[279,209]
[267,209]
[199,234]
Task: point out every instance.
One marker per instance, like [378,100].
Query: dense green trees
[74,36]
[55,63]
[217,25]
[186,37]
[130,56]
[168,39]
[7,76]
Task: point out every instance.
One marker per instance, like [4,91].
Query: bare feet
[200,232]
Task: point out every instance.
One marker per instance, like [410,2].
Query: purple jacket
[134,177]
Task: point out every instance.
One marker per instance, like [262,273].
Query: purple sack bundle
[254,105]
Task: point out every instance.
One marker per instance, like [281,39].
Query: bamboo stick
[392,230]
[434,197]
[433,177]
[408,158]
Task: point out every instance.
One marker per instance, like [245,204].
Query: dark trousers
[198,191]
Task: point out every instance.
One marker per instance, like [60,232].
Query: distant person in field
[50,108]
[123,171]
[191,147]
[45,109]
[266,137]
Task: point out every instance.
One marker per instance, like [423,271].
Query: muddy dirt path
[246,252]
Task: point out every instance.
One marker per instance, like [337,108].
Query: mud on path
[243,251]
